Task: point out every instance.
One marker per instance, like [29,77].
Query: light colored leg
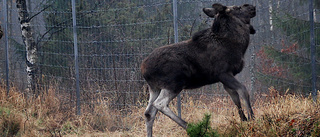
[151,111]
[162,102]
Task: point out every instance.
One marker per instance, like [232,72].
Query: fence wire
[113,37]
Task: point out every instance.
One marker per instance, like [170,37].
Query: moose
[212,55]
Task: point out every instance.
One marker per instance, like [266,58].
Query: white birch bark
[31,48]
[270,15]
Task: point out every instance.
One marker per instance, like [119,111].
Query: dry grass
[288,115]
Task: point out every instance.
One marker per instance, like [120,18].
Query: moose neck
[232,30]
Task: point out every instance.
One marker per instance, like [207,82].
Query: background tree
[287,65]
[30,45]
[1,32]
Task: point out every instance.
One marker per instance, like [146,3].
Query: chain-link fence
[113,37]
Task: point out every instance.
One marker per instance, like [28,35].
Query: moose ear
[219,8]
[216,8]
[211,12]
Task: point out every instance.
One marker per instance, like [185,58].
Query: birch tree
[30,44]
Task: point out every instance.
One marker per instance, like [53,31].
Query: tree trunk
[1,33]
[31,47]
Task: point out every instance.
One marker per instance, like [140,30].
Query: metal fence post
[5,9]
[75,45]
[312,50]
[176,40]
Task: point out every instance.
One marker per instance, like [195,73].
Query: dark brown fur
[204,59]
[197,62]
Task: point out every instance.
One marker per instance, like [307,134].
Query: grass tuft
[9,123]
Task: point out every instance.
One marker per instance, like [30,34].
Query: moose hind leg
[151,111]
[161,103]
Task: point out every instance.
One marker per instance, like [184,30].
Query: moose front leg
[237,90]
[236,99]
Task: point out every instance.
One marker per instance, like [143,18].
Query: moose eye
[236,8]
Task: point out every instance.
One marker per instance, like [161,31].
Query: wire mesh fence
[113,37]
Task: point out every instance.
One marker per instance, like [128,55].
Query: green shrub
[202,128]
